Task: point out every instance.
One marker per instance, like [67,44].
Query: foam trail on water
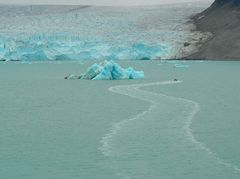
[106,148]
[134,91]
[190,135]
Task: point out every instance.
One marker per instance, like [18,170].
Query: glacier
[29,33]
[53,49]
[108,70]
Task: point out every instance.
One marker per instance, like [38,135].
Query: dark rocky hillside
[222,18]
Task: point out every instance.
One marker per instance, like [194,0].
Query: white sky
[97,2]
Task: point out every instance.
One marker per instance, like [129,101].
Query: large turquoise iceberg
[108,70]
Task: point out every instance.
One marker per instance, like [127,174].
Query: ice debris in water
[108,70]
[181,66]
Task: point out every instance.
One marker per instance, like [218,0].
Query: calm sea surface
[56,128]
[29,33]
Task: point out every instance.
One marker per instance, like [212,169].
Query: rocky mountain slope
[222,19]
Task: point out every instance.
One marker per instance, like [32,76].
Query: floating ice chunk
[172,61]
[26,62]
[132,74]
[109,70]
[92,72]
[181,66]
[113,71]
[72,77]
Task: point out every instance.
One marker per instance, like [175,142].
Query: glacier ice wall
[85,33]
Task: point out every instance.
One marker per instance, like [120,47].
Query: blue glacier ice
[29,33]
[108,70]
[54,49]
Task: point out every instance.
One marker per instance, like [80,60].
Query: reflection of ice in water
[93,32]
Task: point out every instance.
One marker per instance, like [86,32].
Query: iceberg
[108,70]
[92,72]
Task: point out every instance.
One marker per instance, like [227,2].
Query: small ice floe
[26,62]
[172,61]
[72,77]
[108,70]
[181,66]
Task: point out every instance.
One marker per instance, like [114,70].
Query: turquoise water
[56,128]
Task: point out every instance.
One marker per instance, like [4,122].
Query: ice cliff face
[57,49]
[85,33]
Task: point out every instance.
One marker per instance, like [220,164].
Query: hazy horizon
[97,3]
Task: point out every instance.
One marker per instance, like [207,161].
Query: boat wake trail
[154,99]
